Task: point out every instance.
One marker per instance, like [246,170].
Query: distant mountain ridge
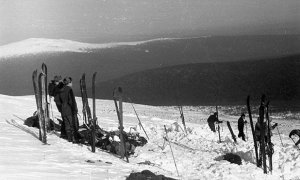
[35,46]
[131,57]
[285,44]
[213,83]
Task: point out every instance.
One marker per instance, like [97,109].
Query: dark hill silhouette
[213,83]
[111,63]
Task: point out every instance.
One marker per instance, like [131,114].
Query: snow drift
[198,154]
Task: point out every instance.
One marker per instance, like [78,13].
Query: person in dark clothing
[68,109]
[295,133]
[212,119]
[241,124]
[54,89]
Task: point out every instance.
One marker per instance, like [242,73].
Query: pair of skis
[263,112]
[40,92]
[89,120]
[117,96]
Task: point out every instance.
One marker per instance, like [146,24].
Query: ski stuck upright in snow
[253,130]
[44,70]
[40,96]
[94,120]
[89,120]
[231,131]
[117,96]
[182,118]
[218,125]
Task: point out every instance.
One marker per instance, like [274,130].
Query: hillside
[114,60]
[213,83]
[197,153]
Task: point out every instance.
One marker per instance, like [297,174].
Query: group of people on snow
[260,126]
[61,90]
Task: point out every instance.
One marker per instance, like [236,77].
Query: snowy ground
[197,154]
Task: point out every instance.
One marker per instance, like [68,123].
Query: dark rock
[233,158]
[146,174]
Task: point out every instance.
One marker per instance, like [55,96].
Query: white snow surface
[42,45]
[197,154]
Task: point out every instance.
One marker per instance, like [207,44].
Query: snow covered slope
[197,154]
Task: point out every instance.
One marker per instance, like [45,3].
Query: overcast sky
[114,20]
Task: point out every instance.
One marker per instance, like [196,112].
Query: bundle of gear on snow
[110,141]
[33,121]
[106,140]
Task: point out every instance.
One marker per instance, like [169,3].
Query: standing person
[241,124]
[68,109]
[212,119]
[54,89]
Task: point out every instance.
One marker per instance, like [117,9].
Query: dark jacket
[56,92]
[212,119]
[67,100]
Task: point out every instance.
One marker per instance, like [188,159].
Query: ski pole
[140,123]
[171,149]
[279,136]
